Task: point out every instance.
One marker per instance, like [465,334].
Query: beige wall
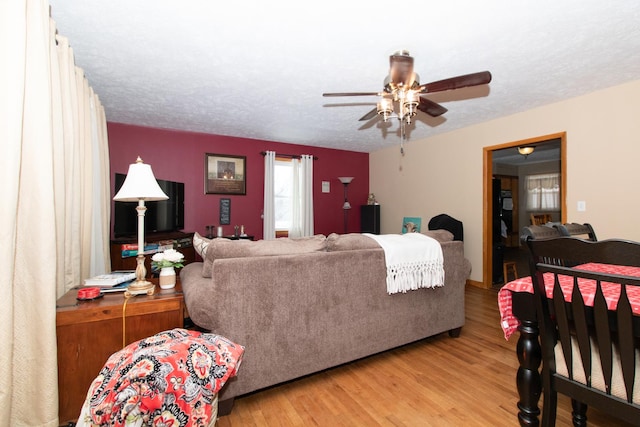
[444,173]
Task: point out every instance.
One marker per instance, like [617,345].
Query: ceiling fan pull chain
[402,138]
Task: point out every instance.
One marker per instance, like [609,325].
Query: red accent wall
[180,156]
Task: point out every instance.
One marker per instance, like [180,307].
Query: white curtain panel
[307,194]
[296,229]
[268,213]
[543,192]
[50,165]
[302,218]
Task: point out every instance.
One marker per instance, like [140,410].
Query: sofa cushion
[226,248]
[354,241]
[440,235]
[349,242]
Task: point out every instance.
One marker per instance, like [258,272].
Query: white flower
[173,255]
[168,258]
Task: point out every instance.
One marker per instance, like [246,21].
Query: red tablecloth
[611,292]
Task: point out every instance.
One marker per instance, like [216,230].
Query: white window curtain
[543,192]
[268,213]
[54,218]
[302,215]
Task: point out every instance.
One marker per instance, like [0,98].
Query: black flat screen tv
[161,216]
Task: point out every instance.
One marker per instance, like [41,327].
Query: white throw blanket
[413,261]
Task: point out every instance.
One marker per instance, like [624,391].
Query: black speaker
[370,219]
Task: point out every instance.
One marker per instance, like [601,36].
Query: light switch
[582,206]
[326,187]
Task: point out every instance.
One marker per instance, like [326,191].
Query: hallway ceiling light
[525,151]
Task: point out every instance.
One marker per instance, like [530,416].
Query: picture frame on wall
[411,224]
[225,174]
[225,211]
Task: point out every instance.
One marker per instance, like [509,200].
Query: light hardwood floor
[440,381]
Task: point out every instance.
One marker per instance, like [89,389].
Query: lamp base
[140,287]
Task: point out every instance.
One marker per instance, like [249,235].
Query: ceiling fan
[402,87]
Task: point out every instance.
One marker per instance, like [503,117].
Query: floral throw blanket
[169,379]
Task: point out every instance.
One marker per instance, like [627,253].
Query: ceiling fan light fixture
[385,108]
[410,104]
[525,151]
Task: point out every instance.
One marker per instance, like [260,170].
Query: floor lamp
[345,180]
[139,186]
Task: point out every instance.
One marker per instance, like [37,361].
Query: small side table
[245,237]
[88,332]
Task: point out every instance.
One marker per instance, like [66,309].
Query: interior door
[490,240]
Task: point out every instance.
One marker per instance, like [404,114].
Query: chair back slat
[564,328]
[626,340]
[604,337]
[579,314]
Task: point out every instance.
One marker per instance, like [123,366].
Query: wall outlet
[326,187]
[582,206]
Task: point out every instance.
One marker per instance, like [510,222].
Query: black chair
[536,232]
[446,222]
[584,231]
[589,353]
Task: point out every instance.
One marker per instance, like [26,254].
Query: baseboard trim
[477,284]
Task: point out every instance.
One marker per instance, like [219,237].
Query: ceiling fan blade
[474,79]
[431,108]
[370,115]
[352,94]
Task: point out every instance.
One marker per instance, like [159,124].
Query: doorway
[491,236]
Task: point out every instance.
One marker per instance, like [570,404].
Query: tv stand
[183,241]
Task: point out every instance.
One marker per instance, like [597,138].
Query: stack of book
[131,249]
[112,282]
[184,242]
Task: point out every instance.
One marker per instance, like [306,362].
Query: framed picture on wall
[411,224]
[225,174]
[225,211]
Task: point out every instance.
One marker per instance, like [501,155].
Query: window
[543,192]
[283,194]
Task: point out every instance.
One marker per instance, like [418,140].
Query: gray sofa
[303,305]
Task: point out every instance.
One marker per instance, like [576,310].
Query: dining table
[518,314]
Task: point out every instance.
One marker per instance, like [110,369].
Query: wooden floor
[440,381]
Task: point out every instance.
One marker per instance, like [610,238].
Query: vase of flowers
[167,262]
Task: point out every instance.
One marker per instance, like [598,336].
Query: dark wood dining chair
[590,352]
[583,231]
[536,232]
[540,219]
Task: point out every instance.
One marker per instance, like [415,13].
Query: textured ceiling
[258,69]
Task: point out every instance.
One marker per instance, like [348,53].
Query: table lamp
[139,186]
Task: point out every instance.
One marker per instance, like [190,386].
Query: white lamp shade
[345,179]
[346,205]
[140,184]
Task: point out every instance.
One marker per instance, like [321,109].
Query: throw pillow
[166,379]
[200,244]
